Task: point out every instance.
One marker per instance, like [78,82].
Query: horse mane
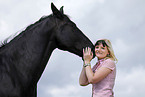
[40,20]
[9,38]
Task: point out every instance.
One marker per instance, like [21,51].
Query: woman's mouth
[98,53]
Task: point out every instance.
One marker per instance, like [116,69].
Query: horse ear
[61,10]
[56,12]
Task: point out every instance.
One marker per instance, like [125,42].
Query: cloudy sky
[121,21]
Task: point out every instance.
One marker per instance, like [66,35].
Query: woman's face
[100,51]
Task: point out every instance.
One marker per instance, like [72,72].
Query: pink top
[104,88]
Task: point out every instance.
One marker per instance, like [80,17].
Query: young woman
[102,75]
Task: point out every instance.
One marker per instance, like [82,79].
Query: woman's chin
[100,57]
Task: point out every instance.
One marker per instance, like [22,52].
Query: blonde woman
[102,75]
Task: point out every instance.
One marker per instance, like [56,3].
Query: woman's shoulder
[110,60]
[109,63]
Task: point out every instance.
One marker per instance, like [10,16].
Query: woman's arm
[100,74]
[83,80]
[106,68]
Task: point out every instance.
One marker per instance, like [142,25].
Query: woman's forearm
[83,80]
[89,74]
[88,71]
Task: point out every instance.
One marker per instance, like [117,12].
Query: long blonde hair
[109,47]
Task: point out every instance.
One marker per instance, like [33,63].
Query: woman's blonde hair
[109,47]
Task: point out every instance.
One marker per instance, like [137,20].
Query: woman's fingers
[87,54]
[87,51]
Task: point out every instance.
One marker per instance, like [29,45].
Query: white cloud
[130,83]
[67,91]
[4,30]
[121,47]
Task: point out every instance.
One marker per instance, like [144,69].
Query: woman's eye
[103,48]
[97,47]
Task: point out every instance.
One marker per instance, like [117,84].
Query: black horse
[23,59]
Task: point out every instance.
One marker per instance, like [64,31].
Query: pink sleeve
[109,64]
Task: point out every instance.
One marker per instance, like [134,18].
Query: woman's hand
[87,55]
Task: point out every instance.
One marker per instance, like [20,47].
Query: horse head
[68,36]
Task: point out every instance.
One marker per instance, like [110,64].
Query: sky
[120,21]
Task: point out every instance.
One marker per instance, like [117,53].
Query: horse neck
[30,51]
